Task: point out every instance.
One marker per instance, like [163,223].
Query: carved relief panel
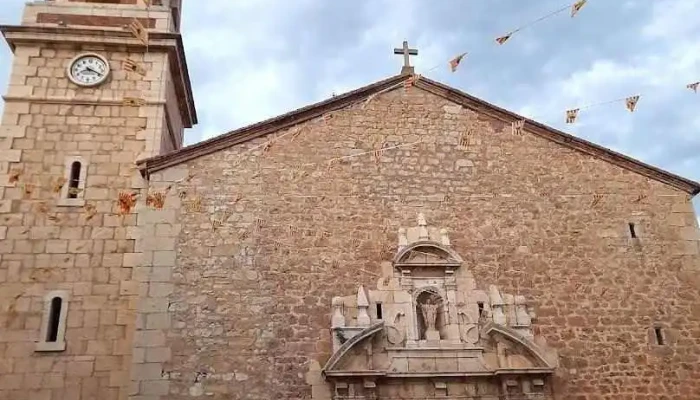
[438,335]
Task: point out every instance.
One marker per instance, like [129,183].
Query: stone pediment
[427,330]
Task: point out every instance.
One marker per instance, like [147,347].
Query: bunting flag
[576,7]
[571,115]
[194,204]
[631,102]
[133,102]
[464,141]
[504,39]
[693,86]
[640,198]
[517,127]
[410,81]
[138,30]
[454,63]
[132,66]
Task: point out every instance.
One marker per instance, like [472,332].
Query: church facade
[401,241]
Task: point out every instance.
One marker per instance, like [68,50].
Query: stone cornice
[171,43]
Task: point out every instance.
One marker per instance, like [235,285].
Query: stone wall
[250,308]
[86,250]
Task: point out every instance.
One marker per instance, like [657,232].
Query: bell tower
[95,86]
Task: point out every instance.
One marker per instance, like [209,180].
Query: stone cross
[406,51]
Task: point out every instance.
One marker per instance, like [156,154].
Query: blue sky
[254,59]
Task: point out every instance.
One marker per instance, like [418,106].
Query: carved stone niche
[428,332]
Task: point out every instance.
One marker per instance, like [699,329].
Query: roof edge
[262,128]
[157,163]
[560,137]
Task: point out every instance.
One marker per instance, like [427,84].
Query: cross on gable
[406,52]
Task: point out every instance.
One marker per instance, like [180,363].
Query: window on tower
[72,185]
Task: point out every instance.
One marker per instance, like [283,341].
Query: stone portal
[427,332]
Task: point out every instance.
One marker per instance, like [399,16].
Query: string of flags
[575,8]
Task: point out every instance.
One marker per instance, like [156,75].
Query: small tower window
[74,180]
[380,312]
[53,326]
[659,336]
[633,232]
[54,318]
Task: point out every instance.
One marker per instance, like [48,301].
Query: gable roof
[316,110]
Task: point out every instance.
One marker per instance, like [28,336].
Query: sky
[254,59]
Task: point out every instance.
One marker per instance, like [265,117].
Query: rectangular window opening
[380,313]
[658,331]
[54,320]
[480,304]
[633,233]
[74,180]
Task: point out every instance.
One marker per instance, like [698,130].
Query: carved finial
[338,319]
[422,228]
[522,316]
[403,240]
[444,238]
[421,220]
[362,307]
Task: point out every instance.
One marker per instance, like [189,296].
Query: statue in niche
[428,305]
[429,310]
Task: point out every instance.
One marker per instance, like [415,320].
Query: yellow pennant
[454,63]
[576,7]
[517,127]
[631,102]
[504,39]
[693,86]
[571,115]
[132,66]
[133,102]
[138,30]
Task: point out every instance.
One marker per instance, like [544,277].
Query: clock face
[88,70]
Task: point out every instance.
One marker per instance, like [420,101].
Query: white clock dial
[88,70]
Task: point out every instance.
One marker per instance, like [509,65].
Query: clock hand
[90,69]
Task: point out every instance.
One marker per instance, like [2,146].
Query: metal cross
[406,51]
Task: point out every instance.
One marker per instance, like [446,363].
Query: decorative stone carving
[439,327]
[362,307]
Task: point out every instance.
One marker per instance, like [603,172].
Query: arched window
[74,180]
[54,319]
[53,324]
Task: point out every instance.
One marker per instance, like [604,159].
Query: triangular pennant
[454,63]
[517,127]
[571,115]
[631,102]
[133,102]
[503,39]
[132,66]
[693,86]
[410,81]
[576,7]
[138,30]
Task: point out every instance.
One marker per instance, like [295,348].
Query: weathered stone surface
[262,306]
[81,246]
